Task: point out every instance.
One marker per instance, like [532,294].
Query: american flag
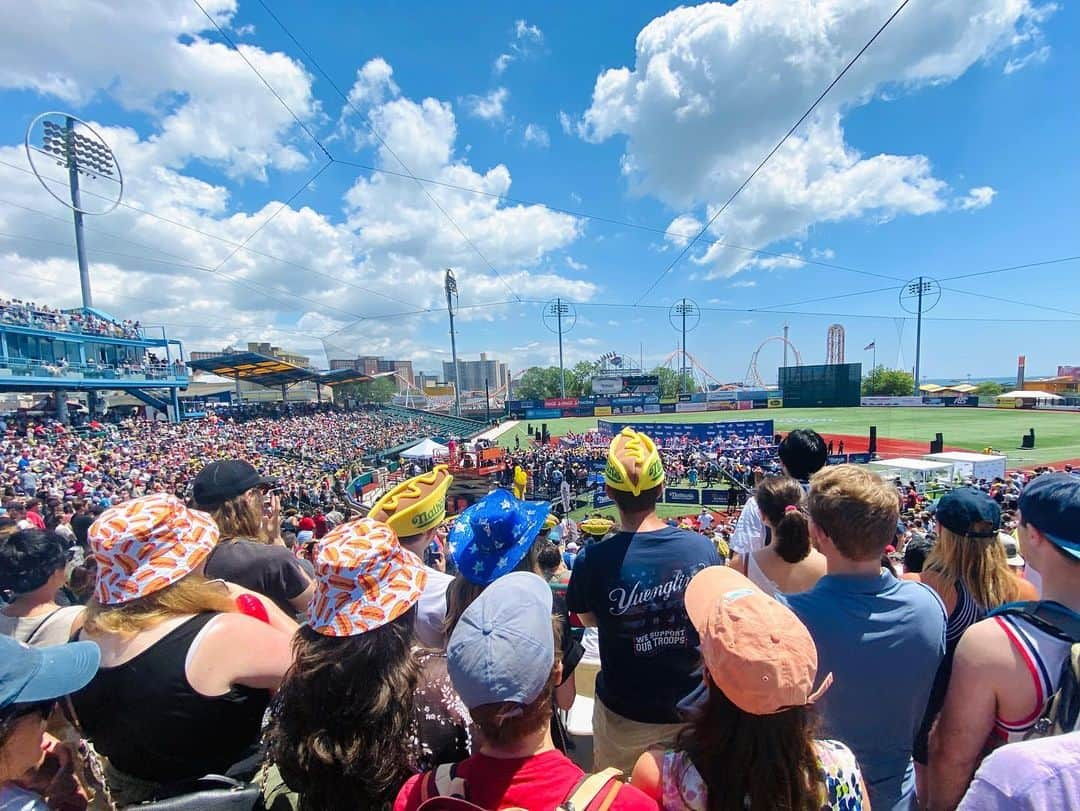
[451,282]
[869,346]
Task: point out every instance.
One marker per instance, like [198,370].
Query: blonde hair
[193,594]
[856,509]
[241,517]
[979,563]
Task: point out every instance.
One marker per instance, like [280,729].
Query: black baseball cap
[229,478]
[1051,503]
[960,509]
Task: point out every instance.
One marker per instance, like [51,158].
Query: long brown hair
[342,725]
[754,761]
[191,594]
[461,592]
[791,529]
[241,517]
[979,563]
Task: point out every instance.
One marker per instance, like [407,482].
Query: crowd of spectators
[30,314]
[384,661]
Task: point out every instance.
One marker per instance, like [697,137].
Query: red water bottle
[252,606]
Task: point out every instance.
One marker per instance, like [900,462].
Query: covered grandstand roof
[266,370]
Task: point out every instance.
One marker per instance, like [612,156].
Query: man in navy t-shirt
[880,637]
[630,586]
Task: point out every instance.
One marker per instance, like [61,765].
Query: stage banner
[543,413]
[681,495]
[602,411]
[700,431]
[858,458]
[836,459]
[561,402]
[714,497]
[891,401]
[600,499]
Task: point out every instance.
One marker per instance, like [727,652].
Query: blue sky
[947,150]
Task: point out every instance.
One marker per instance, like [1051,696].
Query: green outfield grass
[1057,434]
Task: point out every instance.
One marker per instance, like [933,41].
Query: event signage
[561,402]
[776,402]
[607,385]
[681,495]
[891,401]
[714,497]
[602,411]
[700,432]
[727,405]
[690,407]
[961,401]
[849,459]
[712,396]
[600,499]
[543,413]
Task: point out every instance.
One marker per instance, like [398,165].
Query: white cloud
[158,59]
[1036,57]
[713,86]
[566,123]
[374,84]
[245,30]
[578,266]
[488,108]
[682,229]
[383,258]
[979,197]
[526,38]
[537,136]
[748,283]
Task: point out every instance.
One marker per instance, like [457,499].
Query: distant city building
[265,348]
[374,364]
[473,373]
[423,380]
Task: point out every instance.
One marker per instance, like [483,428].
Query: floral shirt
[441,723]
[683,789]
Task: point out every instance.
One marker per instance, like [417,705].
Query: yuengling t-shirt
[634,584]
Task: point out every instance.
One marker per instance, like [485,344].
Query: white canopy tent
[1037,396]
[428,449]
[918,470]
[975,465]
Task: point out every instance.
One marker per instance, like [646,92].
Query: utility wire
[1011,301]
[506,198]
[269,87]
[1043,263]
[224,240]
[770,307]
[773,151]
[389,149]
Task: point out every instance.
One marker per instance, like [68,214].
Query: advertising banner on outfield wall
[962,401]
[651,409]
[690,407]
[776,402]
[543,413]
[700,431]
[667,408]
[714,497]
[561,402]
[891,401]
[723,405]
[602,411]
[714,396]
[681,495]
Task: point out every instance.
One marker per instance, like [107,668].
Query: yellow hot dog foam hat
[415,505]
[633,463]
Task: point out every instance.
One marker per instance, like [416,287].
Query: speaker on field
[873,441]
[544,435]
[938,445]
[1027,441]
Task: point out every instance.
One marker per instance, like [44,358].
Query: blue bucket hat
[1051,503]
[491,537]
[29,675]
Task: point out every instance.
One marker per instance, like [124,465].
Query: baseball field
[900,431]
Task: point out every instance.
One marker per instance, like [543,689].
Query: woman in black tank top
[185,679]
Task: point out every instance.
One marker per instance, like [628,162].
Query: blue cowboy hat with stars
[490,538]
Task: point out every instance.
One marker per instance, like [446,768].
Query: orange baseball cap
[146,544]
[755,649]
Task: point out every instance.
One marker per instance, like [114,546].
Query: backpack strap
[1047,615]
[590,787]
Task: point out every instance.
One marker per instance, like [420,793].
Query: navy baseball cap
[1051,503]
[503,647]
[228,478]
[958,510]
[29,675]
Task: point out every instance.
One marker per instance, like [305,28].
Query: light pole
[680,312]
[560,317]
[923,294]
[450,283]
[81,155]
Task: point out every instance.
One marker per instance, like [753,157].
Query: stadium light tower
[450,284]
[560,317]
[678,315]
[923,294]
[84,157]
